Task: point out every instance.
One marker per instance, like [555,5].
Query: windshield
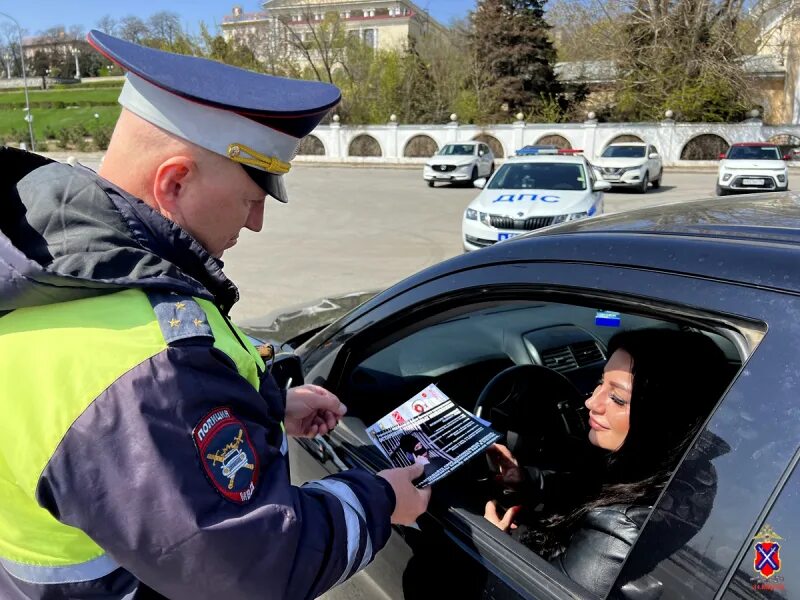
[540,176]
[754,153]
[624,152]
[458,150]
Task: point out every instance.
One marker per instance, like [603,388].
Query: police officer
[142,444]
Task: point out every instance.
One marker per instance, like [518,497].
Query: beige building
[380,24]
[779,25]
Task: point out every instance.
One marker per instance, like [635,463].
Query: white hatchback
[464,161]
[752,167]
[529,192]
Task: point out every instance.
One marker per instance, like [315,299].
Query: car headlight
[465,165]
[485,219]
[782,178]
[471,214]
[726,176]
[570,217]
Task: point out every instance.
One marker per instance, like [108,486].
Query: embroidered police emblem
[228,456]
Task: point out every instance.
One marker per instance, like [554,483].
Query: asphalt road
[348,229]
[351,229]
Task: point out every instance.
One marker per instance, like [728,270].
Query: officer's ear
[170,184]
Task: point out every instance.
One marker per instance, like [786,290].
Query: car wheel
[474,175]
[657,182]
[721,192]
[491,169]
[642,189]
[430,183]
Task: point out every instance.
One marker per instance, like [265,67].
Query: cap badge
[247,156]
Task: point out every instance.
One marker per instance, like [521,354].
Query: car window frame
[543,580]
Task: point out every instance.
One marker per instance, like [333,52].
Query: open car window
[463,348]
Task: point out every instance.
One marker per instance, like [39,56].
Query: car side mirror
[653,155]
[479,183]
[721,155]
[601,186]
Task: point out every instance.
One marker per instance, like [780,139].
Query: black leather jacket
[597,550]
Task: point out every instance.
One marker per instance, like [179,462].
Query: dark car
[729,268]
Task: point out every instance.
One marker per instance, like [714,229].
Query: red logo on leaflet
[767,559]
[419,407]
[398,418]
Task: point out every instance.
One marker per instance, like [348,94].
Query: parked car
[531,190]
[464,161]
[632,165]
[726,267]
[752,167]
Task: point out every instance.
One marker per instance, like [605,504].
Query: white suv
[756,167]
[630,164]
[464,161]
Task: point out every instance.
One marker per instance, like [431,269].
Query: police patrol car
[540,186]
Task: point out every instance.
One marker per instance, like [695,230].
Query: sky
[35,16]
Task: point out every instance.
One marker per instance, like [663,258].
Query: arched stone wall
[788,143]
[492,142]
[364,145]
[311,145]
[554,139]
[420,146]
[706,146]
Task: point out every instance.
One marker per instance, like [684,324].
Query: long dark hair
[678,377]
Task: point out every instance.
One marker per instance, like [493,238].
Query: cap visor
[271,184]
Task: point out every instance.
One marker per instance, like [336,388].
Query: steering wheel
[534,406]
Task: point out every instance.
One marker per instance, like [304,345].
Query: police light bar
[570,151]
[534,150]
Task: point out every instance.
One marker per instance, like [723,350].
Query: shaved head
[137,150]
[208,195]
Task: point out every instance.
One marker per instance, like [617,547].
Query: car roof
[547,158]
[725,239]
[756,144]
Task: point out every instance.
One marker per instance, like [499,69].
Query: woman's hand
[510,471]
[504,522]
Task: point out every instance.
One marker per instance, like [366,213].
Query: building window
[371,38]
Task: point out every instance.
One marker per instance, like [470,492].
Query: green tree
[513,50]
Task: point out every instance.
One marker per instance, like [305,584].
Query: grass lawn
[101,96]
[55,119]
[79,108]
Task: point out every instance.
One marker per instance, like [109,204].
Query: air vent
[559,359]
[586,353]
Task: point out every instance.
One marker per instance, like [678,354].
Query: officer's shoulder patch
[228,456]
[179,316]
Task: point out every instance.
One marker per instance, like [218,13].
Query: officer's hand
[411,501]
[311,410]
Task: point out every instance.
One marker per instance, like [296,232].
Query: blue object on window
[607,318]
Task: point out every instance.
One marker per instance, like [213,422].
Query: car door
[753,447]
[654,164]
[488,564]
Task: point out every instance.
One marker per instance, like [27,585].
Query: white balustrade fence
[674,141]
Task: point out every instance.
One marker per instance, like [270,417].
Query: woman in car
[658,387]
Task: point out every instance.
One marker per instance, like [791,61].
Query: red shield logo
[767,560]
